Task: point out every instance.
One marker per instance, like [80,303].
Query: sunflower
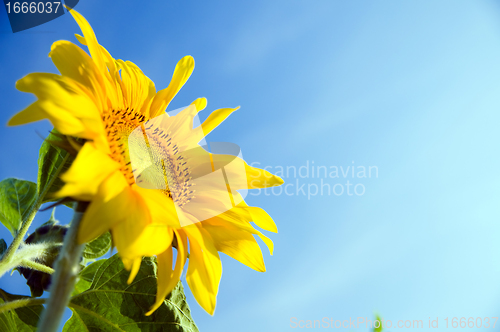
[144,173]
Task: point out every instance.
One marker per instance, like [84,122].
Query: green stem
[65,276]
[12,305]
[8,257]
[36,266]
[26,262]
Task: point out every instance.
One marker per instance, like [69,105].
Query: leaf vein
[93,314]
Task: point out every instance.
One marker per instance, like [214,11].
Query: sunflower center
[118,125]
[172,165]
[176,181]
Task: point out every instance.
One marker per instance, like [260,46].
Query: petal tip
[153,308]
[12,122]
[187,62]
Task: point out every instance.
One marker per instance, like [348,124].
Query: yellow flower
[105,101]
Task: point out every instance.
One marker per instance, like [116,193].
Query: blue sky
[411,87]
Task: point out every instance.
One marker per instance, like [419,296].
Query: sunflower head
[145,174]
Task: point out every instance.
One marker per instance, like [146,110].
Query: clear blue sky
[411,87]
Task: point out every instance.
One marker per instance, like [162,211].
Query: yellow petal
[110,63]
[86,173]
[127,263]
[236,243]
[240,218]
[268,242]
[137,88]
[205,269]
[181,125]
[135,235]
[103,62]
[200,104]
[110,206]
[164,276]
[160,206]
[260,178]
[207,204]
[182,71]
[178,127]
[32,113]
[262,219]
[73,62]
[136,265]
[238,174]
[65,103]
[133,240]
[91,41]
[216,119]
[81,39]
[168,278]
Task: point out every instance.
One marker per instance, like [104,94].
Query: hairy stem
[7,261]
[36,266]
[65,275]
[26,255]
[20,304]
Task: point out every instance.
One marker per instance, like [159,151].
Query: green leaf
[52,162]
[3,247]
[98,247]
[86,276]
[16,198]
[21,319]
[110,304]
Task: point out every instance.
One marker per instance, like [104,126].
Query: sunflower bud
[51,233]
